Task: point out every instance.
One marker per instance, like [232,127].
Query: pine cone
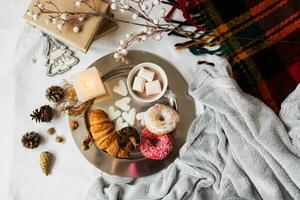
[31,140]
[55,94]
[44,114]
[45,162]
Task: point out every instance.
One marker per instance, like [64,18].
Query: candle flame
[87,83]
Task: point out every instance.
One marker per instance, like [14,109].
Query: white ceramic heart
[123,103]
[121,124]
[141,117]
[121,88]
[113,113]
[129,116]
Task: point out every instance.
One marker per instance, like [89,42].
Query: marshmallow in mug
[146,74]
[139,83]
[153,87]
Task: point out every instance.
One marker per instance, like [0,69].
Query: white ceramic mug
[152,67]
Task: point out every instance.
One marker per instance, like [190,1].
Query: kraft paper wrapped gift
[92,28]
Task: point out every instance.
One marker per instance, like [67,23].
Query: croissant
[104,135]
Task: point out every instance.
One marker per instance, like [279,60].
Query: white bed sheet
[22,89]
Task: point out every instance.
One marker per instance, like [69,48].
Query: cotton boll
[155,21]
[76,29]
[156,2]
[113,6]
[144,7]
[135,16]
[121,42]
[116,55]
[127,36]
[77,4]
[124,51]
[119,49]
[64,16]
[81,18]
[158,37]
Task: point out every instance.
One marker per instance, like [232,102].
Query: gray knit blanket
[238,148]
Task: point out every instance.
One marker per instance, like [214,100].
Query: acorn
[73,124]
[51,131]
[59,139]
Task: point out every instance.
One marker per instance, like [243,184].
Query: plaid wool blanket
[259,38]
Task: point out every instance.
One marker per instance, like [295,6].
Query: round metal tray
[137,165]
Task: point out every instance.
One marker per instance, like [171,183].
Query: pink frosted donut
[154,146]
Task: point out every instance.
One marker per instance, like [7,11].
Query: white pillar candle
[88,84]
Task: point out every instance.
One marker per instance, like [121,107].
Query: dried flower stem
[56,13]
[151,27]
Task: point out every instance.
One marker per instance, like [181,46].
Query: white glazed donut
[161,119]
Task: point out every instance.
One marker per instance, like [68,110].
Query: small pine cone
[45,162]
[31,140]
[44,114]
[36,115]
[55,94]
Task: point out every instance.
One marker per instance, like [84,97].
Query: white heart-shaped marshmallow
[129,116]
[123,103]
[121,88]
[113,113]
[141,117]
[121,124]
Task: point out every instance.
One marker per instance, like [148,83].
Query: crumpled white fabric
[236,149]
[22,89]
[290,115]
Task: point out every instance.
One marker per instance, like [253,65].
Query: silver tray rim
[142,166]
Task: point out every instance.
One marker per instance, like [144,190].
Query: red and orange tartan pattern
[260,39]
